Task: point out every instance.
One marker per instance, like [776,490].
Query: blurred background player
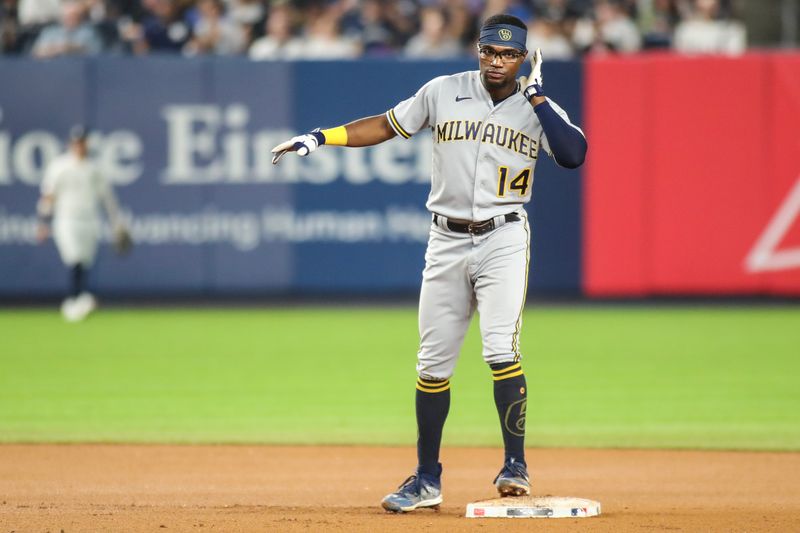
[70,193]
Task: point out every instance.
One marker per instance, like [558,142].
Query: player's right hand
[302,144]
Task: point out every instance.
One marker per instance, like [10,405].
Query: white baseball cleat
[87,302]
[71,310]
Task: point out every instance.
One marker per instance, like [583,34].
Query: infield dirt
[73,488]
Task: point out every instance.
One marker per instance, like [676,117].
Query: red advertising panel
[710,167]
[616,114]
[775,254]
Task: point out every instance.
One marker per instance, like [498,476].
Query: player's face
[499,65]
[80,147]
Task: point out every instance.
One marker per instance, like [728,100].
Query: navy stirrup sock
[511,400]
[433,404]
[78,281]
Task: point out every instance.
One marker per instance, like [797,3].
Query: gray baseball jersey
[483,160]
[483,154]
[78,189]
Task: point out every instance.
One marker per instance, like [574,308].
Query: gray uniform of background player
[474,141]
[77,188]
[72,190]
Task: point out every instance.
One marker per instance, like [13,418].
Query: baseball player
[70,193]
[488,129]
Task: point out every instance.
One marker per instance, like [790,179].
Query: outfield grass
[598,377]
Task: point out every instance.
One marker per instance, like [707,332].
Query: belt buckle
[479,228]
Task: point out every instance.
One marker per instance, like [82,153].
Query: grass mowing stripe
[627,377]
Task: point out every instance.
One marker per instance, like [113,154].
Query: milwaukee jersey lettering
[483,154]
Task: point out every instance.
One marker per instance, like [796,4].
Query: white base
[534,507]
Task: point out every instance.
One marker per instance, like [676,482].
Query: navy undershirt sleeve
[566,142]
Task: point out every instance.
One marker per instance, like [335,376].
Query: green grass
[705,377]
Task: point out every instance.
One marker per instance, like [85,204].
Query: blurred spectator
[416,28]
[432,41]
[490,7]
[657,20]
[214,33]
[250,15]
[107,16]
[246,12]
[547,34]
[611,30]
[72,36]
[462,23]
[564,14]
[164,28]
[368,24]
[403,17]
[9,27]
[278,42]
[323,40]
[517,8]
[39,13]
[561,10]
[117,9]
[32,17]
[704,33]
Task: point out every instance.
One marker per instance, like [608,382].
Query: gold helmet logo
[505,34]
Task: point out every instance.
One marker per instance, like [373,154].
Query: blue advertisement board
[186,144]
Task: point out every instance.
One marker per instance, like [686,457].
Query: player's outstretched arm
[566,141]
[363,132]
[369,131]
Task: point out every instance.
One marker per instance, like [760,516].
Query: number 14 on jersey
[518,183]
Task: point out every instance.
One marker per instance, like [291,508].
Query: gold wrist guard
[336,136]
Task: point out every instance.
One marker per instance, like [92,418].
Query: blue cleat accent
[513,479]
[419,490]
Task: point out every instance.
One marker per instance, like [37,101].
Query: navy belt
[474,228]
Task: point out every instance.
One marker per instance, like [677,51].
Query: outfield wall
[693,185]
[691,180]
[187,143]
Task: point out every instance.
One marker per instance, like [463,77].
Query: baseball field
[302,418]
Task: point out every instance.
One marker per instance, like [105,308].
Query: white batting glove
[302,145]
[533,83]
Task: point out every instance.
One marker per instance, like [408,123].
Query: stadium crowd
[340,29]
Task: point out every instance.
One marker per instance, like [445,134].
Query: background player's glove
[122,241]
[532,85]
[302,144]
